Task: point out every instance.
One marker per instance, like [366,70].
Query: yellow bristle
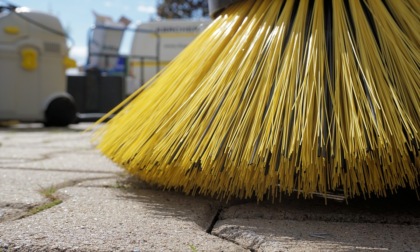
[282,96]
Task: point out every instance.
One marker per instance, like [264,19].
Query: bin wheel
[60,112]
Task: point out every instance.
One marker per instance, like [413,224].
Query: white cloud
[146,9]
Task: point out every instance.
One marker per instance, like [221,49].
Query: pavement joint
[51,199]
[16,210]
[74,182]
[216,218]
[253,247]
[57,170]
[214,221]
[19,160]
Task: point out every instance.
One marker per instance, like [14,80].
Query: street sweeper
[273,97]
[33,60]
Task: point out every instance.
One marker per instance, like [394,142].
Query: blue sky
[76,16]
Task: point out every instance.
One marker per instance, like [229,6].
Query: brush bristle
[282,96]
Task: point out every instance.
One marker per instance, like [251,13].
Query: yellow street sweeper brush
[282,96]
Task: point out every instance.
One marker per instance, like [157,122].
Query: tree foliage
[172,9]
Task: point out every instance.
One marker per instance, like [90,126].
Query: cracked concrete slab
[310,225]
[109,219]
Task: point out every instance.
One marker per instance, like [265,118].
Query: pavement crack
[40,157]
[37,209]
[13,211]
[214,220]
[52,199]
[57,170]
[17,212]
[13,205]
[74,182]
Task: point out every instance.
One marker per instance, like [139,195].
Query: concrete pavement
[57,193]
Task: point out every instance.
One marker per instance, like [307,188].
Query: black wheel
[60,112]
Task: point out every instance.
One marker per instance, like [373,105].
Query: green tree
[171,9]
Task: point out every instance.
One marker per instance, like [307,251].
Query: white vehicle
[154,44]
[33,60]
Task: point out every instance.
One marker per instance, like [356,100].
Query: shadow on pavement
[402,208]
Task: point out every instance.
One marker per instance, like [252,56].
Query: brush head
[217,6]
[279,97]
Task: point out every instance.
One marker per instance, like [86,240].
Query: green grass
[193,248]
[53,200]
[43,207]
[49,192]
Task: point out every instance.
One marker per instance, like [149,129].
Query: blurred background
[83,57]
[77,16]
